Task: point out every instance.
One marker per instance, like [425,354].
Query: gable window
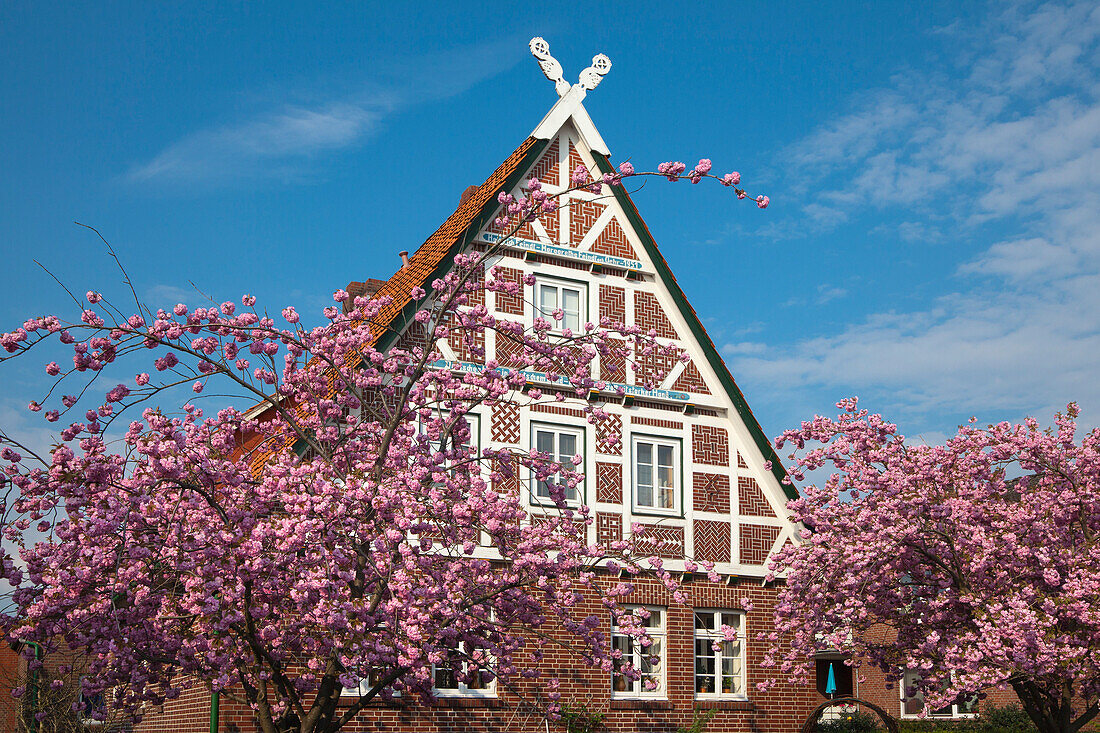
[474,680]
[656,468]
[552,295]
[471,446]
[912,701]
[562,443]
[719,663]
[649,660]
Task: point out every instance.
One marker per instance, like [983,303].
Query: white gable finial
[595,73]
[540,49]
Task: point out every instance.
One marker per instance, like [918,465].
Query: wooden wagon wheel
[808,726]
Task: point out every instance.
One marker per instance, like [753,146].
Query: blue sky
[933,243]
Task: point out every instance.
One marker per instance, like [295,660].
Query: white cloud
[285,141]
[1009,143]
[289,136]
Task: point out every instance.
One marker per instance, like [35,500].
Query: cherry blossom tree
[973,564]
[343,537]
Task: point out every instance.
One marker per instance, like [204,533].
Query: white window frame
[473,419]
[87,709]
[559,286]
[713,636]
[461,690]
[634,654]
[677,475]
[906,678]
[579,435]
[365,686]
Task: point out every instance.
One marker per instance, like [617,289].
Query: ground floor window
[834,678]
[912,701]
[465,674]
[719,662]
[649,659]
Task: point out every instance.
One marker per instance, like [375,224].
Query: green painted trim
[404,318]
[713,357]
[215,704]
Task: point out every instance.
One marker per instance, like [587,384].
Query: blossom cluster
[972,564]
[347,527]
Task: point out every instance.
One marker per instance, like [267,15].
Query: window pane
[568,443]
[548,302]
[571,304]
[654,620]
[664,455]
[664,476]
[645,486]
[704,620]
[732,620]
[622,644]
[704,667]
[731,675]
[645,453]
[652,657]
[445,679]
[544,442]
[668,497]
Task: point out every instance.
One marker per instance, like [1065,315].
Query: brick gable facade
[647,406]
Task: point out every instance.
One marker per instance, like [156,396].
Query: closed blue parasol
[830,684]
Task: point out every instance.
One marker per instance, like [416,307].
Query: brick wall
[710,445]
[649,316]
[781,709]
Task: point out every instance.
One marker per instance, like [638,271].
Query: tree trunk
[1052,713]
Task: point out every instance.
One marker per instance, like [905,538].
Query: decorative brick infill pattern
[710,445]
[712,540]
[467,345]
[741,461]
[653,369]
[751,500]
[609,436]
[661,540]
[505,476]
[612,241]
[612,303]
[710,492]
[609,483]
[504,423]
[582,217]
[509,351]
[756,543]
[691,381]
[613,362]
[506,303]
[649,316]
[547,169]
[557,410]
[609,527]
[656,423]
[574,161]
